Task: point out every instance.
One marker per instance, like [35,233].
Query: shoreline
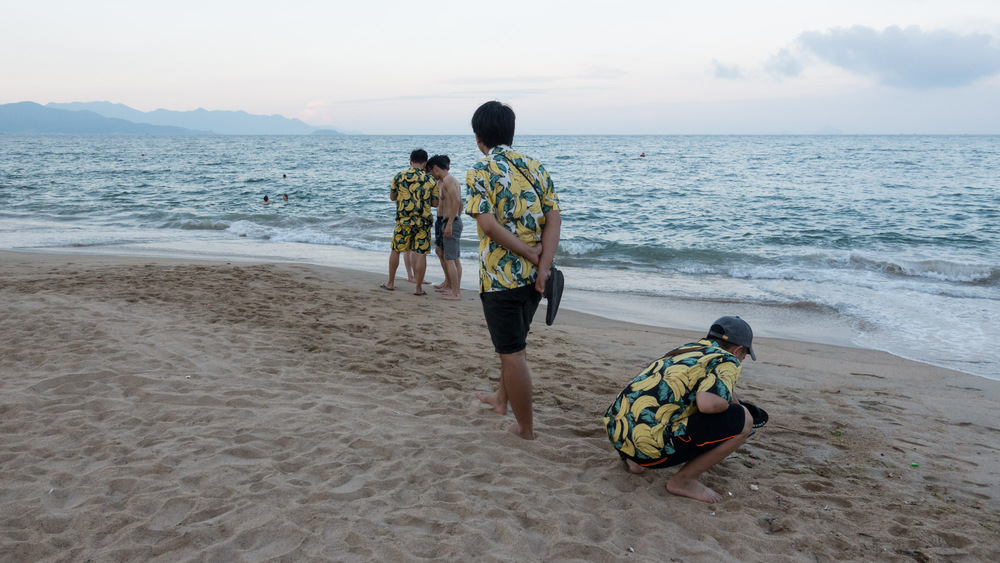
[799,324]
[158,408]
[792,323]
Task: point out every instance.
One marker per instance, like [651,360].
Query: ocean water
[884,242]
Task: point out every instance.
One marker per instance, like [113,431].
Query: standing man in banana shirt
[415,193]
[516,209]
[683,409]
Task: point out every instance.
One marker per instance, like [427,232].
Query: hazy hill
[220,122]
[29,117]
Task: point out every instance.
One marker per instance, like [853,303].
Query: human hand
[540,281]
[534,254]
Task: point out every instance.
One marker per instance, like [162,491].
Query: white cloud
[784,63]
[907,58]
[727,72]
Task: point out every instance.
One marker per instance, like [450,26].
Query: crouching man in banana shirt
[683,409]
[516,209]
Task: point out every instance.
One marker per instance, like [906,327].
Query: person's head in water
[266,201]
[493,124]
[284,197]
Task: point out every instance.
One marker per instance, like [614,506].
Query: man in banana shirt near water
[415,193]
[516,209]
[683,409]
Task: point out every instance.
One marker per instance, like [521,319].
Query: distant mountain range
[106,118]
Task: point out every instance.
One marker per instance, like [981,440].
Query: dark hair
[440,160]
[493,123]
[419,156]
[265,198]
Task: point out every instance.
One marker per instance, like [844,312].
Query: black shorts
[508,316]
[704,432]
[439,232]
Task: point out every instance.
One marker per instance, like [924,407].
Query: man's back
[414,190]
[507,184]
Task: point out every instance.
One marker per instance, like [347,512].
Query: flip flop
[553,293]
[759,415]
[383,286]
[422,293]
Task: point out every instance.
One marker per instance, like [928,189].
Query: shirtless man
[448,228]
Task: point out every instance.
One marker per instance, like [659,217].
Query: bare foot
[441,285]
[410,279]
[633,467]
[515,429]
[450,297]
[491,399]
[695,490]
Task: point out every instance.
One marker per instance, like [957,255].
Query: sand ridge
[180,410]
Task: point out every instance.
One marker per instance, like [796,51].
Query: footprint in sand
[170,514]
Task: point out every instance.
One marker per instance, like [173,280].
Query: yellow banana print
[666,390]
[496,187]
[648,383]
[644,441]
[494,256]
[657,434]
[664,412]
[624,409]
[628,448]
[643,403]
[677,386]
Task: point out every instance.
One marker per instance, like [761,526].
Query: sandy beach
[175,410]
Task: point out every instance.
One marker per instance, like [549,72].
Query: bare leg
[408,263]
[419,267]
[515,380]
[685,482]
[498,398]
[451,274]
[634,467]
[494,399]
[393,265]
[440,255]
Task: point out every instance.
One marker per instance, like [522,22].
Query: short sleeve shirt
[414,190]
[507,184]
[655,406]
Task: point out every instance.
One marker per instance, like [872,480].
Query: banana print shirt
[414,190]
[655,406]
[494,186]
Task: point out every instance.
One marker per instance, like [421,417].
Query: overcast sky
[566,67]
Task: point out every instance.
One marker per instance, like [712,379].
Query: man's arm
[710,403]
[451,204]
[493,229]
[550,240]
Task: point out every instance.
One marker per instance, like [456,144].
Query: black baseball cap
[734,330]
